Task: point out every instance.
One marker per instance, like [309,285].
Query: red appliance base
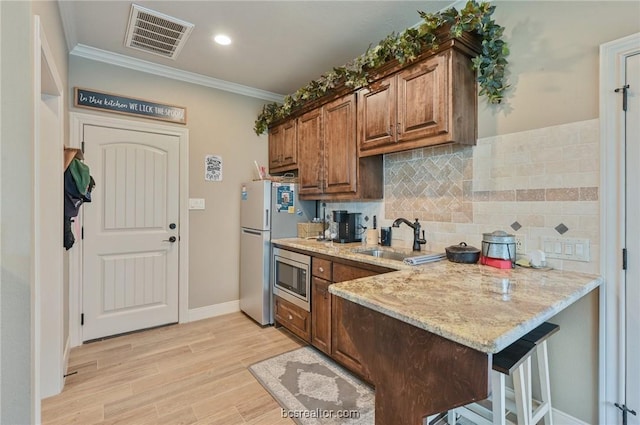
[496,262]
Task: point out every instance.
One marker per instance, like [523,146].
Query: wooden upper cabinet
[422,100]
[327,144]
[329,167]
[283,147]
[377,114]
[431,102]
[312,154]
[340,146]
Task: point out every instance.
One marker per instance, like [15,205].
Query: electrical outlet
[521,244]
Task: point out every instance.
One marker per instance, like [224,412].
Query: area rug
[313,390]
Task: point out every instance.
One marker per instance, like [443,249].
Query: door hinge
[82,147]
[625,410]
[82,319]
[624,90]
[624,258]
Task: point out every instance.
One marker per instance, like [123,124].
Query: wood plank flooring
[195,373]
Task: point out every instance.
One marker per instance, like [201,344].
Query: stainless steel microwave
[292,277]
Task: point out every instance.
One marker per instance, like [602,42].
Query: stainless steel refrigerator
[268,210]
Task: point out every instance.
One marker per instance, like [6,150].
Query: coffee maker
[348,225]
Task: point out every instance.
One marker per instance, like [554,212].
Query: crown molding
[117,59]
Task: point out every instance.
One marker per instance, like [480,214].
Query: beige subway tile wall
[539,179]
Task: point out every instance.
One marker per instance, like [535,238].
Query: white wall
[554,60]
[16,217]
[219,123]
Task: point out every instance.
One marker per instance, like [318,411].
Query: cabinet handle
[288,157]
[321,269]
[398,129]
[290,317]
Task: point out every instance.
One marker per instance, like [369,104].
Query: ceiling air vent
[156,33]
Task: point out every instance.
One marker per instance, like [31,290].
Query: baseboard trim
[65,361]
[213,310]
[559,417]
[67,350]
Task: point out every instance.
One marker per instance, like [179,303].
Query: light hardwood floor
[194,373]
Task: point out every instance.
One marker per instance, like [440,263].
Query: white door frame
[612,229]
[78,120]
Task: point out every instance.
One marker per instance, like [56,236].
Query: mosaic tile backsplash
[538,178]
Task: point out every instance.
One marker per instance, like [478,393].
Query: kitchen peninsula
[426,334]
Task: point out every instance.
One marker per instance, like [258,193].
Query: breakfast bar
[426,334]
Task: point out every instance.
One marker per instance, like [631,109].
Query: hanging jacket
[80,172]
[72,197]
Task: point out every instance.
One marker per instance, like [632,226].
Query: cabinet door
[321,315]
[377,114]
[276,139]
[311,153]
[289,144]
[283,147]
[343,349]
[423,101]
[340,145]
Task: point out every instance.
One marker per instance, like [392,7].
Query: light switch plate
[196,203]
[575,249]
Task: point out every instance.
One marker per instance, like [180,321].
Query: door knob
[172,226]
[172,239]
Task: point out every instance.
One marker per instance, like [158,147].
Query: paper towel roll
[372,236]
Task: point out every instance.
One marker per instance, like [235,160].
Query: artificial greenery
[405,47]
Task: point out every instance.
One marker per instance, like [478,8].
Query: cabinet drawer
[321,268]
[342,272]
[292,317]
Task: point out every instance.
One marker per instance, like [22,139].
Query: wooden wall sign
[91,99]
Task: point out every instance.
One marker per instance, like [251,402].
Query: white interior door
[131,233]
[632,278]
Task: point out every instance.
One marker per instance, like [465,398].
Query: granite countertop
[348,251]
[478,306]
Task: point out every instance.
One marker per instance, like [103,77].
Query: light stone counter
[348,251]
[478,306]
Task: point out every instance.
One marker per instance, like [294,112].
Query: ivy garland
[490,64]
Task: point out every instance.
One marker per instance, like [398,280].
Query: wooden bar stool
[515,361]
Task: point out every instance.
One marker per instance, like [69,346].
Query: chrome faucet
[417,241]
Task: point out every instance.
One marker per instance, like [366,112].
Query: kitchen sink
[395,255]
[381,253]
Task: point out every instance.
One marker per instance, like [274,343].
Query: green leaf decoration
[490,65]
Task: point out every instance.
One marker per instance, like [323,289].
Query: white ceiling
[278,46]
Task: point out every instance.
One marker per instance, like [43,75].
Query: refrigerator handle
[266,218]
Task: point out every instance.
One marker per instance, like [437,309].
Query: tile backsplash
[540,178]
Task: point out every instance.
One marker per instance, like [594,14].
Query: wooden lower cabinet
[321,315]
[327,331]
[324,326]
[294,318]
[343,349]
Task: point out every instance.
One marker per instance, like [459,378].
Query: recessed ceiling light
[222,39]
